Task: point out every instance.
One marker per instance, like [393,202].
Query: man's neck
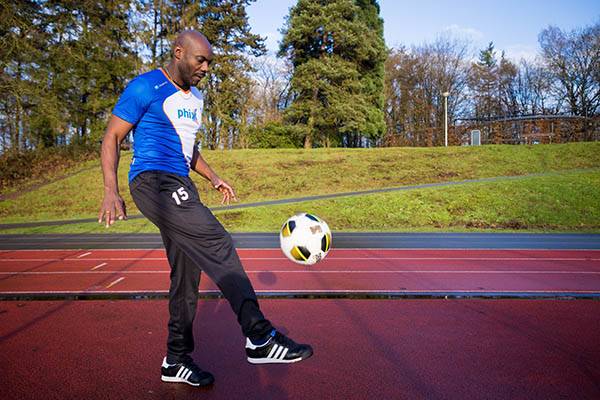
[173,74]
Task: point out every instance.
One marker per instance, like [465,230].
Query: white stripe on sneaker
[187,375]
[284,353]
[273,350]
[278,352]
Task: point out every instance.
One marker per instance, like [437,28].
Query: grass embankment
[30,169]
[559,202]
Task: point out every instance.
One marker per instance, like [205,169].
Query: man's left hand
[224,187]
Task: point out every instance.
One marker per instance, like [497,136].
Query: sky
[512,25]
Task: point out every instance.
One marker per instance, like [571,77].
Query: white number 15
[180,195]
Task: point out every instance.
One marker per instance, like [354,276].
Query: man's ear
[177,52]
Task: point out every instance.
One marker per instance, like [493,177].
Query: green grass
[20,171]
[557,203]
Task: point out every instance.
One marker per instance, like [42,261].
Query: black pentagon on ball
[304,251]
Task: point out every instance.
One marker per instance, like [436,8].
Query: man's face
[197,56]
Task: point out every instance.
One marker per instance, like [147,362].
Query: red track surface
[364,349]
[375,349]
[346,271]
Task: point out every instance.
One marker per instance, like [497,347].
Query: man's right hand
[112,205]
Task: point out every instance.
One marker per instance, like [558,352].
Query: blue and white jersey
[166,120]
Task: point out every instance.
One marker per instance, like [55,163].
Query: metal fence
[513,130]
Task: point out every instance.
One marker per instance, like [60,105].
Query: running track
[492,338]
[126,273]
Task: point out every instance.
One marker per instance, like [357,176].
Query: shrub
[276,135]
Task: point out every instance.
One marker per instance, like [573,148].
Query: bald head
[192,54]
[190,38]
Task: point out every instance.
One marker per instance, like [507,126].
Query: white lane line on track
[84,254]
[328,259]
[349,291]
[333,250]
[31,259]
[98,266]
[316,272]
[440,258]
[115,282]
[423,291]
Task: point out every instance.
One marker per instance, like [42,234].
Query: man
[163,108]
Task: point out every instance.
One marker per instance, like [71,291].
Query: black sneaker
[188,373]
[278,349]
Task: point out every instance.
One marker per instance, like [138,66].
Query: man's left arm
[201,167]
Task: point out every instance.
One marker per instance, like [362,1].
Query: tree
[89,60]
[271,84]
[28,110]
[372,76]
[532,85]
[523,88]
[484,84]
[573,61]
[331,48]
[157,24]
[508,91]
[227,87]
[447,61]
[415,82]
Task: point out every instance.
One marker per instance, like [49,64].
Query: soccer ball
[305,239]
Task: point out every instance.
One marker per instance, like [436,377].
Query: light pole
[446,94]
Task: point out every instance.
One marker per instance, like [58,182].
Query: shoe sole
[172,379]
[275,361]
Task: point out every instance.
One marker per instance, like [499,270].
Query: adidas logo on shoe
[188,373]
[278,349]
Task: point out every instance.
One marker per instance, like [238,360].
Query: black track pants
[195,241]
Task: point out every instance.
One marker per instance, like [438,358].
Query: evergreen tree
[333,45]
[27,109]
[227,86]
[373,74]
[157,24]
[89,60]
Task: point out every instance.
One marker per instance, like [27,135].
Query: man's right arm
[113,204]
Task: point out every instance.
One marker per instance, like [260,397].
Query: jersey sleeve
[134,101]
